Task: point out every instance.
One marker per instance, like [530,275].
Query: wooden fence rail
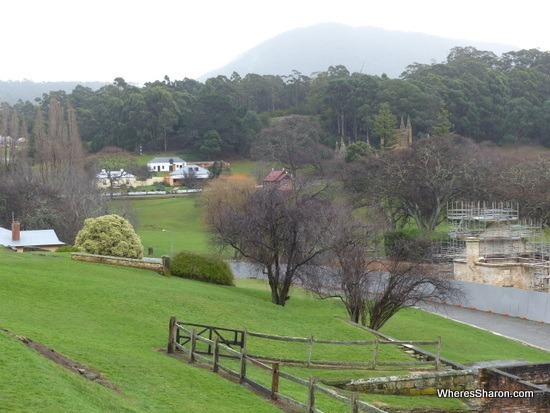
[239,337]
[223,343]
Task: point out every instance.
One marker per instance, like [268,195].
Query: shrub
[109,235]
[407,245]
[201,268]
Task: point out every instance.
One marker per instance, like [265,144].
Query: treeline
[478,94]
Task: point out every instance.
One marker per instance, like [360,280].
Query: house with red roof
[279,179]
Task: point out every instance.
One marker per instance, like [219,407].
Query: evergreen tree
[385,127]
[443,125]
[212,143]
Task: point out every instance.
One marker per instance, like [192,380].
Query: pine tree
[443,125]
[385,127]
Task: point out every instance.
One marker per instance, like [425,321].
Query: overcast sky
[83,40]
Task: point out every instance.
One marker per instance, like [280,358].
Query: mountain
[367,50]
[13,90]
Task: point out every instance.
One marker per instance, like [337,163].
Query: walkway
[529,332]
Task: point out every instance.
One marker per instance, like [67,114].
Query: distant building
[165,164]
[119,178]
[178,177]
[45,239]
[405,134]
[279,179]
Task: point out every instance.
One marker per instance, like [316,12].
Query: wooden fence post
[216,353]
[172,335]
[354,406]
[242,375]
[375,354]
[192,346]
[438,354]
[309,350]
[166,266]
[311,395]
[274,381]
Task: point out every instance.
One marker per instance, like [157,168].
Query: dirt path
[62,360]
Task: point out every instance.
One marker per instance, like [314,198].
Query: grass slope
[170,224]
[115,321]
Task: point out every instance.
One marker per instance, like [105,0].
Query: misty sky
[143,41]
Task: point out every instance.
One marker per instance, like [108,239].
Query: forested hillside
[11,91]
[484,97]
[370,50]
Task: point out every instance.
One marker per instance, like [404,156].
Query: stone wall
[154,264]
[502,272]
[415,384]
[495,272]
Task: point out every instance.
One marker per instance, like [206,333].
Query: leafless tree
[526,180]
[372,287]
[54,192]
[406,278]
[116,163]
[346,270]
[420,181]
[190,179]
[292,141]
[281,230]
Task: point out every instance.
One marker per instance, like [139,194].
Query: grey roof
[199,171]
[166,159]
[33,238]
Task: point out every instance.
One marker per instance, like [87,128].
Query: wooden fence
[218,343]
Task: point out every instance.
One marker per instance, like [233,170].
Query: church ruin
[491,245]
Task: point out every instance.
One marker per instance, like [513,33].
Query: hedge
[199,267]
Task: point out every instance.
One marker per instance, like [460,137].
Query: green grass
[115,320]
[53,388]
[242,166]
[170,224]
[463,345]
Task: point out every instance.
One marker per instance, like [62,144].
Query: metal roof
[166,160]
[33,238]
[199,172]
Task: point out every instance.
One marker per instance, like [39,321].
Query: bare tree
[190,179]
[347,268]
[372,287]
[55,192]
[406,278]
[292,141]
[420,181]
[281,230]
[115,162]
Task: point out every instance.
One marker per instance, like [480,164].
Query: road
[530,332]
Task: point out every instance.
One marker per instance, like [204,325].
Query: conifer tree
[385,127]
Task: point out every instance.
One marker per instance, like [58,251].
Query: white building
[165,164]
[119,178]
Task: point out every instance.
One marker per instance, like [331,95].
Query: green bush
[201,268]
[407,245]
[109,235]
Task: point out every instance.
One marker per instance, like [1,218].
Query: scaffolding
[502,235]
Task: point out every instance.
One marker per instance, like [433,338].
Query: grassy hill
[114,320]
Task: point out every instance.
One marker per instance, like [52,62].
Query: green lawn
[170,224]
[115,320]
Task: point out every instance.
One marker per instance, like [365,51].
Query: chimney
[15,231]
